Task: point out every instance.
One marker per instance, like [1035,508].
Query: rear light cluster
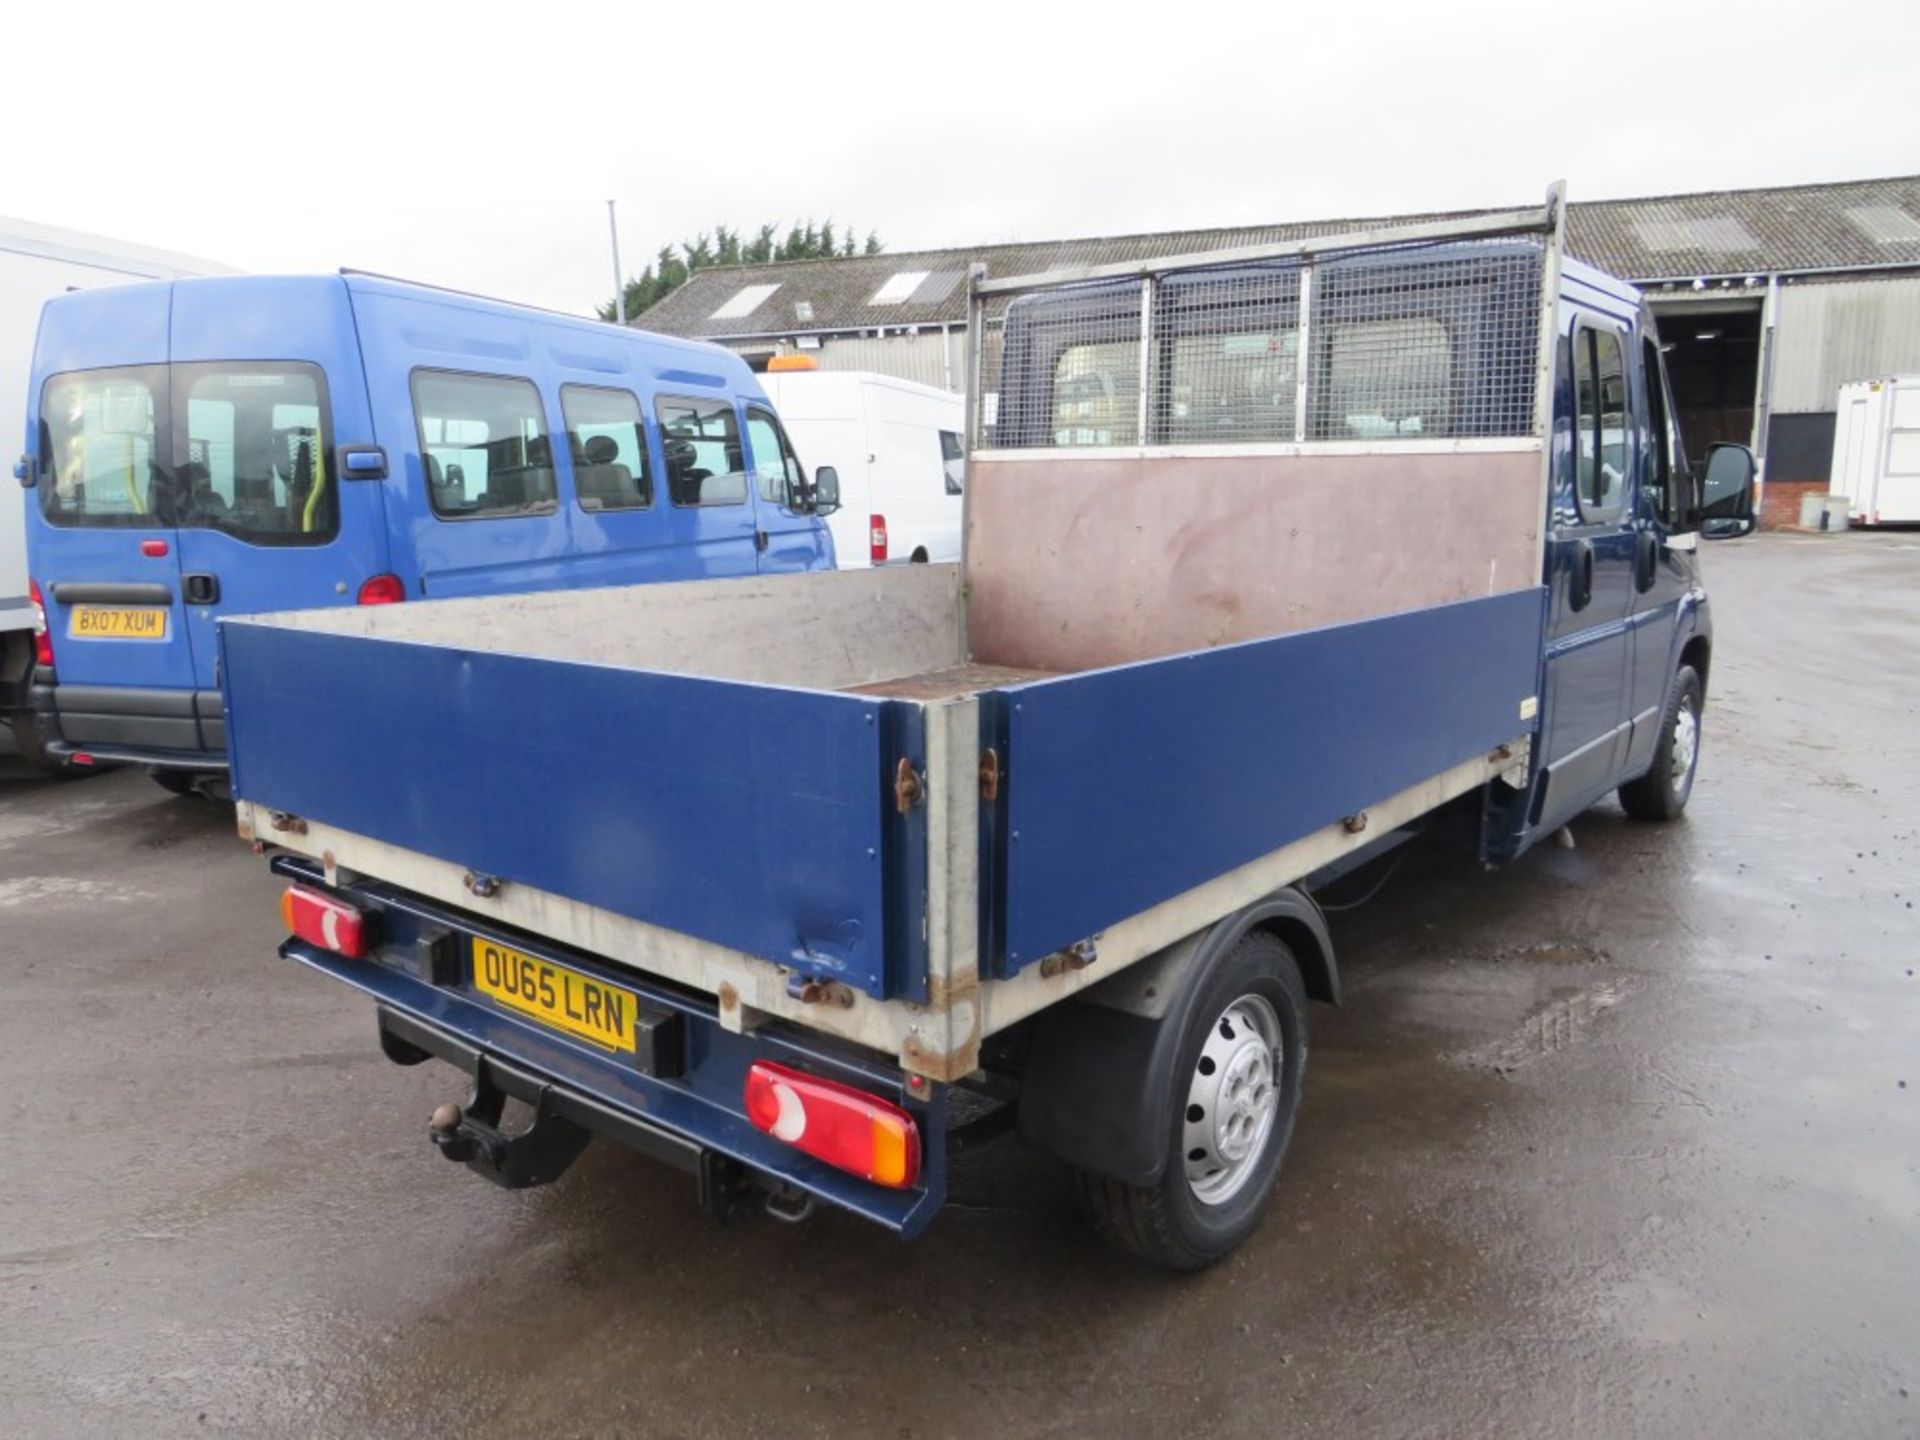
[42,636]
[848,1128]
[382,590]
[877,538]
[322,920]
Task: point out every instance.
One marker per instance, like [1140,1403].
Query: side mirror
[1726,510]
[23,471]
[826,490]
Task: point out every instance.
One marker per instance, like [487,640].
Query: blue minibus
[227,446]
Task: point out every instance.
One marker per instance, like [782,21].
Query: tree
[673,265]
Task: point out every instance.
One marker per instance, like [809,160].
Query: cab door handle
[200,588]
[1580,576]
[1646,560]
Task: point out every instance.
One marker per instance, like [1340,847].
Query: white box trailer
[897,448]
[1876,451]
[38,262]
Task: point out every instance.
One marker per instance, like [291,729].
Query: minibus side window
[608,443]
[484,443]
[700,441]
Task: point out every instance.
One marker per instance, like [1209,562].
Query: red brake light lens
[42,636]
[322,920]
[382,590]
[845,1127]
[877,538]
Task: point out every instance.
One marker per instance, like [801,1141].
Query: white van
[897,447]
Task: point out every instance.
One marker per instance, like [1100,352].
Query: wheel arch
[1100,1065]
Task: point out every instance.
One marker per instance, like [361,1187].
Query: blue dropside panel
[747,815]
[1128,786]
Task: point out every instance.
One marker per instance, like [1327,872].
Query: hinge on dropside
[908,788]
[989,775]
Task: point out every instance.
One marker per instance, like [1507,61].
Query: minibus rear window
[101,449]
[240,447]
[255,458]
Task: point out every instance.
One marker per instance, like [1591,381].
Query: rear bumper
[681,1102]
[167,729]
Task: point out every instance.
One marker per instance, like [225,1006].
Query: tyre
[202,784]
[1662,792]
[33,748]
[1235,1095]
[176,782]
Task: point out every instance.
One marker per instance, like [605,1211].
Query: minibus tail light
[848,1128]
[322,920]
[42,636]
[382,590]
[877,539]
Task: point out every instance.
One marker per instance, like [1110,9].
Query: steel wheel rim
[1233,1098]
[1686,744]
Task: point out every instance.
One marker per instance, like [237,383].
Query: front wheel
[1235,1096]
[1661,793]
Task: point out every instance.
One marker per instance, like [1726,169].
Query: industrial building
[1769,301]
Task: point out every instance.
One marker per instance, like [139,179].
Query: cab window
[1096,394]
[608,443]
[484,442]
[700,442]
[781,479]
[1602,455]
[1665,487]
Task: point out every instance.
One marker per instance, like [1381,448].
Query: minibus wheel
[33,749]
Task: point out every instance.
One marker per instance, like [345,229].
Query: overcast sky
[475,145]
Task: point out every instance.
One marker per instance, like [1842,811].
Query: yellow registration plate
[117,622]
[555,995]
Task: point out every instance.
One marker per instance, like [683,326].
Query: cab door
[263,396]
[1663,573]
[1590,571]
[790,537]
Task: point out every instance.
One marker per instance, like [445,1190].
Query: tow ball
[472,1136]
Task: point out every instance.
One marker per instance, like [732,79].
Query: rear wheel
[207,786]
[32,744]
[1661,793]
[176,782]
[1228,1118]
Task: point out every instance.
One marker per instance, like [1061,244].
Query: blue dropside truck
[800,882]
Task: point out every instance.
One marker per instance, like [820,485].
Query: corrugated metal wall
[1826,334]
[906,357]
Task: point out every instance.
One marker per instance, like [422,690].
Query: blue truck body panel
[1137,783]
[751,816]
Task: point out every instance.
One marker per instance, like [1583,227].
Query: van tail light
[42,636]
[877,538]
[382,590]
[848,1128]
[322,920]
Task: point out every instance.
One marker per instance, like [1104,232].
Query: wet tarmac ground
[1621,1141]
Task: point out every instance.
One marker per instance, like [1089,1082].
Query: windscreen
[240,447]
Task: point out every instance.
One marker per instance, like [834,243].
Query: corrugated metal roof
[1793,228]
